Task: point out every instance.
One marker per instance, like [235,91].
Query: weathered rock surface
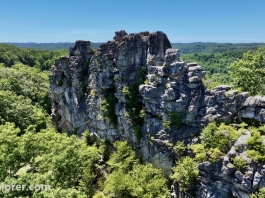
[173,91]
[223,179]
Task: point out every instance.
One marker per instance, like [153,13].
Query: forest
[33,152]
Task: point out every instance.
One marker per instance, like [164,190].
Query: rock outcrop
[141,74]
[223,179]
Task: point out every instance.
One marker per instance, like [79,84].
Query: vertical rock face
[136,85]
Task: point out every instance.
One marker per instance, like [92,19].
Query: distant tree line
[41,59]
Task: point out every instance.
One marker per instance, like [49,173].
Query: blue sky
[43,21]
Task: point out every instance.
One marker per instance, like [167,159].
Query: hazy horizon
[106,41]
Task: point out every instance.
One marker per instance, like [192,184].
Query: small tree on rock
[249,72]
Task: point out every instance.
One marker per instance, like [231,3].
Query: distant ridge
[214,48]
[49,46]
[184,48]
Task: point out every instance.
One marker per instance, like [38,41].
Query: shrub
[129,178]
[220,137]
[200,153]
[87,138]
[123,158]
[256,147]
[180,148]
[260,194]
[214,154]
[175,120]
[93,92]
[216,140]
[107,106]
[134,103]
[239,163]
[185,172]
[248,73]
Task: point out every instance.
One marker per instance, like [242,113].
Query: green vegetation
[216,141]
[129,178]
[239,163]
[175,120]
[20,111]
[50,46]
[28,82]
[216,65]
[41,59]
[214,48]
[46,157]
[107,106]
[256,147]
[135,106]
[249,72]
[185,173]
[71,167]
[224,65]
[180,148]
[260,194]
[93,92]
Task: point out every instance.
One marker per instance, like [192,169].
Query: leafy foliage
[135,106]
[27,82]
[216,140]
[256,147]
[221,136]
[131,179]
[107,106]
[124,158]
[19,110]
[249,72]
[214,48]
[185,172]
[239,163]
[42,59]
[180,148]
[260,194]
[175,120]
[9,150]
[58,160]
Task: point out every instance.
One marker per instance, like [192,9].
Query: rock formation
[136,88]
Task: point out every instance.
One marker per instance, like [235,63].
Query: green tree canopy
[19,110]
[248,73]
[28,82]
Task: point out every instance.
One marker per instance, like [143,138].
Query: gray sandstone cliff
[161,87]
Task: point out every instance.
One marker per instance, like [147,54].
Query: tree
[9,158]
[124,158]
[248,73]
[27,81]
[19,110]
[129,178]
